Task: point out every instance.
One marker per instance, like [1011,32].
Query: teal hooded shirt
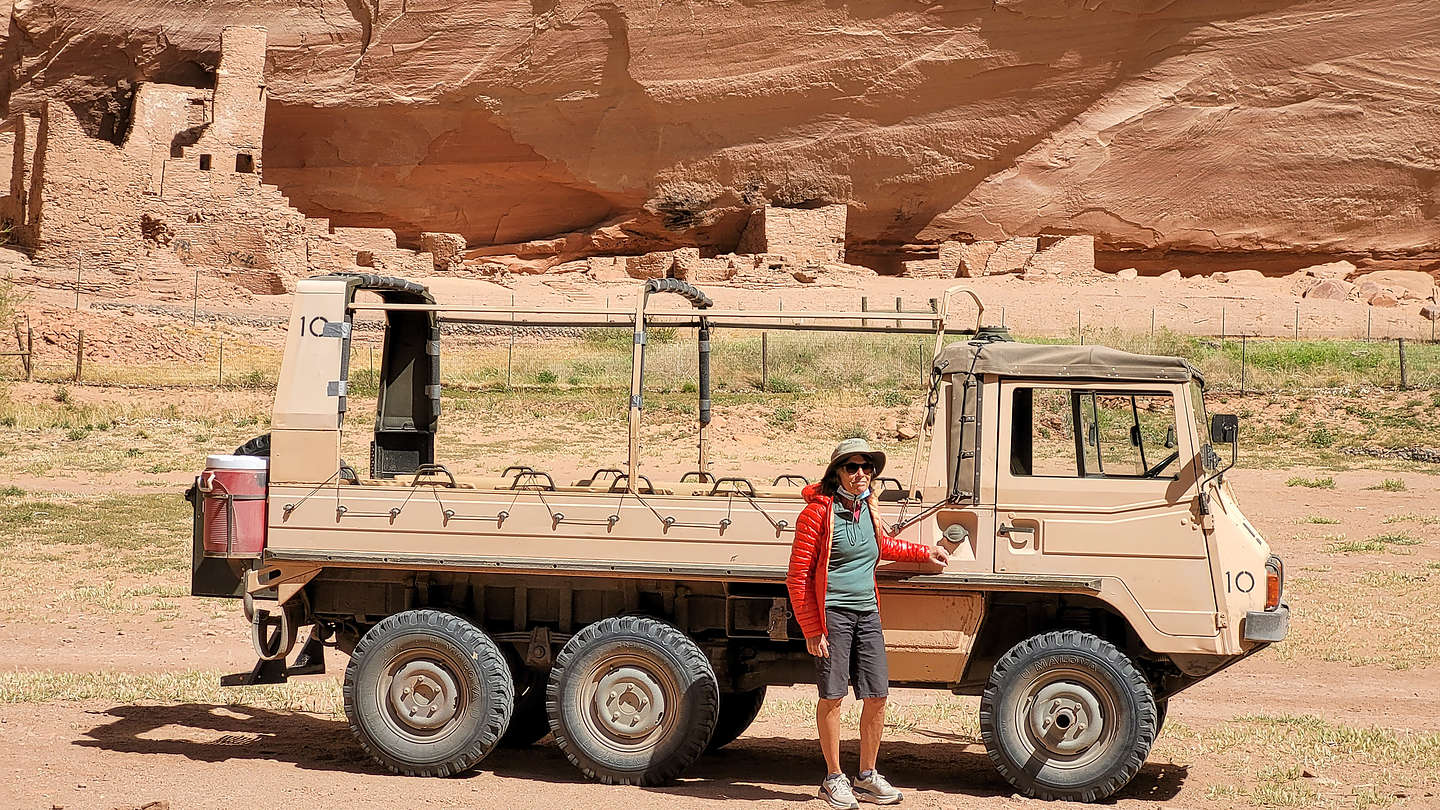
[854,553]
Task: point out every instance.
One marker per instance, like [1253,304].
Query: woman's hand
[939,556]
[818,647]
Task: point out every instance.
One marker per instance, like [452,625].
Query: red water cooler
[234,507]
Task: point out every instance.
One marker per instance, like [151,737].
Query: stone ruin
[1029,256]
[182,193]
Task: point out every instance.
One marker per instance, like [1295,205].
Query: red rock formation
[1273,126]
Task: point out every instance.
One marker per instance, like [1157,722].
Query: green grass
[1410,517]
[1313,483]
[1396,539]
[1390,485]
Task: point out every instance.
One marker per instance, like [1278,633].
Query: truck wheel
[737,712]
[632,701]
[258,446]
[1067,716]
[529,724]
[427,693]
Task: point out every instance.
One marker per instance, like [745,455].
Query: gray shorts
[857,656]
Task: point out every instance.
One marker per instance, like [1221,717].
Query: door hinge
[1222,621]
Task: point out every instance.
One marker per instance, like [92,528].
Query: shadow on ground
[752,768]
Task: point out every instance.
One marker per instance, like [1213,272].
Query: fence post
[80,356]
[20,347]
[220,380]
[372,361]
[1002,317]
[1079,331]
[1297,323]
[1242,364]
[29,351]
[510,356]
[764,361]
[79,265]
[864,307]
[1404,380]
[1222,323]
[1368,318]
[1152,328]
[898,323]
[195,311]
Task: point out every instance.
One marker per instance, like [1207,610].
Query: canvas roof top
[1014,359]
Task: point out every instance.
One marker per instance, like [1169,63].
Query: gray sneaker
[836,791]
[877,790]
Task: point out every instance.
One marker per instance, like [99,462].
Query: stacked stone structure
[183,190]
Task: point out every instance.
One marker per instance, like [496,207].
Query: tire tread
[494,671]
[1069,641]
[668,637]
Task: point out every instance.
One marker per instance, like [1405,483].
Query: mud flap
[309,661]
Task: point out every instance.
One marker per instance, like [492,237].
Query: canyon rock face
[1251,126]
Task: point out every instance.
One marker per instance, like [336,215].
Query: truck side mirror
[1224,428]
[1170,437]
[1134,435]
[1092,436]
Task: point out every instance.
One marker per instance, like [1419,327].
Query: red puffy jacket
[810,559]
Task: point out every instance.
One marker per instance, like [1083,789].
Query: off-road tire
[737,712]
[529,723]
[620,647]
[258,446]
[1067,658]
[436,642]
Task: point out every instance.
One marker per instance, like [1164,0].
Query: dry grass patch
[1372,618]
[1306,761]
[316,695]
[75,537]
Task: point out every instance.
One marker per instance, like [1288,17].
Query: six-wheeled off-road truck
[1099,563]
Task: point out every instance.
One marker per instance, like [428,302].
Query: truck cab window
[1091,433]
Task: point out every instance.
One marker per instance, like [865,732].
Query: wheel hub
[423,695]
[629,703]
[1066,718]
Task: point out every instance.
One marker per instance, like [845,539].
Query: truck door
[1099,480]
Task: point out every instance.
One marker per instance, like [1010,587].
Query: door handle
[1006,530]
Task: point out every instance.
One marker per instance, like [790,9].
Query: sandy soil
[97,753]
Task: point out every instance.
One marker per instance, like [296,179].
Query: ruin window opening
[245,164]
[204,163]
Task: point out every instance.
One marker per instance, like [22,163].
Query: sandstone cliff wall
[1266,126]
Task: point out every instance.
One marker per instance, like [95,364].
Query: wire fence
[1236,357]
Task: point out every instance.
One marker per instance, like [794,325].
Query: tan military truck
[1099,563]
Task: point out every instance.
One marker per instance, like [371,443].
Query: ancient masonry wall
[182,193]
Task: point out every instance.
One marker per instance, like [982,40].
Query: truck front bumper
[1268,626]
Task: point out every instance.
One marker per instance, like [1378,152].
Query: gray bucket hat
[852,447]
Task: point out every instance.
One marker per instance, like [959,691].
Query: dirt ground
[98,745]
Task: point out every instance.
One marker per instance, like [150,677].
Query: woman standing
[838,543]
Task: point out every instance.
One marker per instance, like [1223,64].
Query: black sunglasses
[853,467]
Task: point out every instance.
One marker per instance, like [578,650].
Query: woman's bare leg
[872,726]
[827,717]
